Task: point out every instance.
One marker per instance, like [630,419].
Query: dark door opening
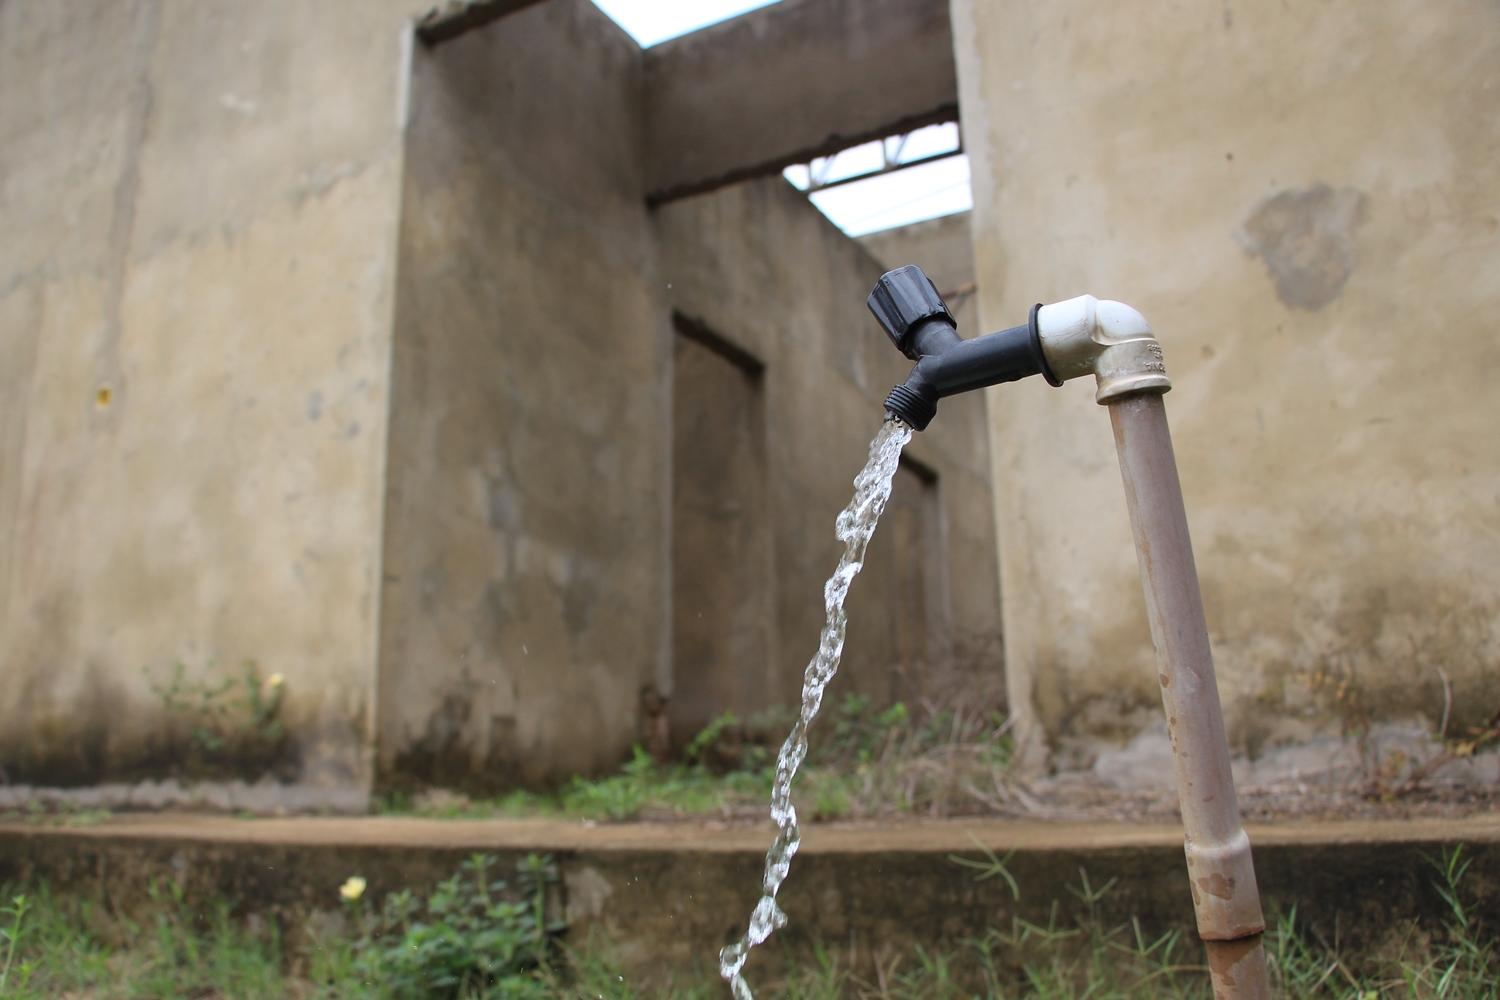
[721,545]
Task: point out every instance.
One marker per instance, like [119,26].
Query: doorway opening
[721,538]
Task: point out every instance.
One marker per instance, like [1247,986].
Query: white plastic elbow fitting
[1109,340]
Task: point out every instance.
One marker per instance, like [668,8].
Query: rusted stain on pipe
[1238,968]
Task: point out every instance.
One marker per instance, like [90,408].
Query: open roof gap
[651,22]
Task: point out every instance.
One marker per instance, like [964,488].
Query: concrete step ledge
[669,895]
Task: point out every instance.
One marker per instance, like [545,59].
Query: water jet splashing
[872,488]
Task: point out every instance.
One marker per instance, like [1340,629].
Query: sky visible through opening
[900,198]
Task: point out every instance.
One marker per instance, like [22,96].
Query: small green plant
[990,867]
[236,704]
[710,738]
[1466,961]
[234,724]
[618,797]
[860,735]
[66,813]
[14,918]
[941,760]
[468,939]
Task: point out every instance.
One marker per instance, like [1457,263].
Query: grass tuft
[933,761]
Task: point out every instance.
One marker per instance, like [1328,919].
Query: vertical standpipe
[1112,342]
[1225,897]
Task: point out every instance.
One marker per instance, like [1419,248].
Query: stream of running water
[872,488]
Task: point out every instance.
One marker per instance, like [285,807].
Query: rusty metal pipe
[1113,342]
[1225,897]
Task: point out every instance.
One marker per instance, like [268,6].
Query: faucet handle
[903,300]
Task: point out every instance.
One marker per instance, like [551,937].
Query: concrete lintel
[454,17]
[791,81]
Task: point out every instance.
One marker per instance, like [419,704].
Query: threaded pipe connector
[911,406]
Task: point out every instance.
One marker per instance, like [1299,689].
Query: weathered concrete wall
[200,209]
[761,268]
[1303,202]
[526,576]
[791,81]
[451,18]
[227,432]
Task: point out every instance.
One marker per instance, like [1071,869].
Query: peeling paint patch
[1306,238]
[1217,885]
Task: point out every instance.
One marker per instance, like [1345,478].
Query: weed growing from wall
[228,728]
[937,761]
[1392,773]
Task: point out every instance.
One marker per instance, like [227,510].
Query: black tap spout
[913,314]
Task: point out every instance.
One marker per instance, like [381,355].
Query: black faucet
[908,306]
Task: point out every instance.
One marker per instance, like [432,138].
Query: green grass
[60,947]
[644,787]
[65,813]
[936,762]
[480,936]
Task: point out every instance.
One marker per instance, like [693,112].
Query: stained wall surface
[1302,200]
[200,206]
[526,575]
[352,359]
[588,507]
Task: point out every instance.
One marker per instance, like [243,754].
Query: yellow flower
[352,889]
[276,680]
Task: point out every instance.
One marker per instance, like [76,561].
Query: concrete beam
[785,83]
[454,17]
